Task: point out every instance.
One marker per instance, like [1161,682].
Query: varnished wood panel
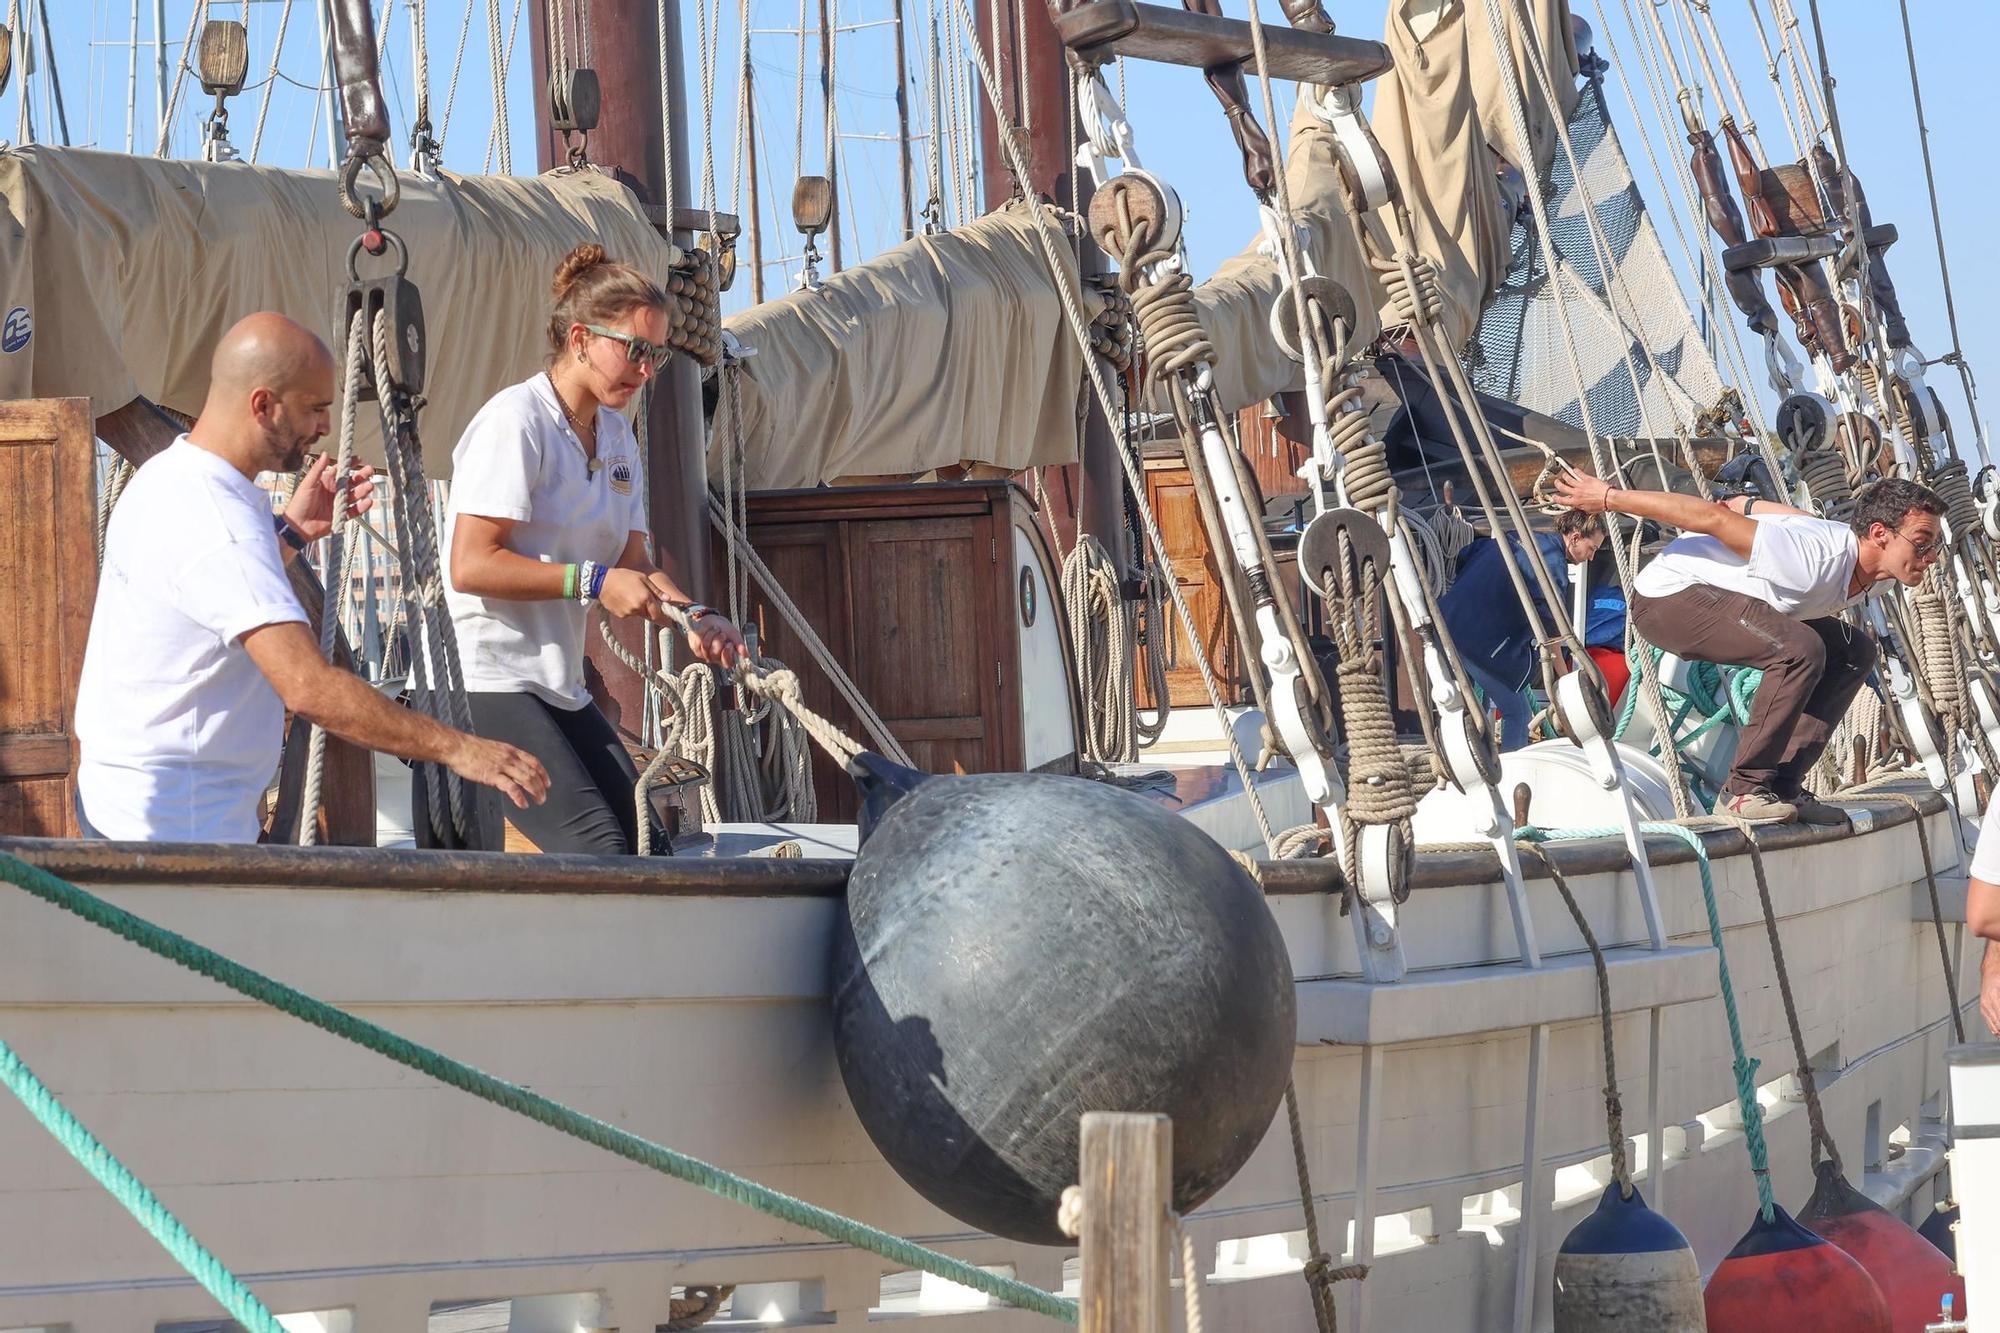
[48,581]
[809,561]
[930,642]
[1179,514]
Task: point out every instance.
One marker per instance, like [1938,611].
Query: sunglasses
[637,350]
[1929,550]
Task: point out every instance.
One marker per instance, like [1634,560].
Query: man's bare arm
[355,711]
[1689,513]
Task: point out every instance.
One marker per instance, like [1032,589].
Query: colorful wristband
[597,575]
[569,581]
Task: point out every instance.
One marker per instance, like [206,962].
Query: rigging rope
[1743,1066]
[229,1290]
[544,1110]
[1614,1108]
[1080,330]
[1957,355]
[271,79]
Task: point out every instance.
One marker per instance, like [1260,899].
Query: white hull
[336,1181]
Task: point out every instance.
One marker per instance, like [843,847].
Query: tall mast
[634,56]
[753,225]
[132,85]
[160,61]
[903,122]
[826,40]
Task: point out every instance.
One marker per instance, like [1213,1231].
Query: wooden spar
[751,222]
[1126,1171]
[826,40]
[630,140]
[1084,497]
[903,121]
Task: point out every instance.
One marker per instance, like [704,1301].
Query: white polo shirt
[1798,566]
[180,731]
[519,460]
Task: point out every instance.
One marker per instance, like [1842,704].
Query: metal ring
[354,253]
[385,176]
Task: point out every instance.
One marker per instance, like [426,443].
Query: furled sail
[1633,306]
[1235,303]
[125,270]
[949,348]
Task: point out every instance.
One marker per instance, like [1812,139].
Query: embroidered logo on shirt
[621,475]
[19,327]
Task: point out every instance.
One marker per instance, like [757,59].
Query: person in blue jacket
[1490,628]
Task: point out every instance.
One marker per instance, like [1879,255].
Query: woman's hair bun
[574,265]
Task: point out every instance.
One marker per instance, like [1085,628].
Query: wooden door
[48,582]
[1178,512]
[932,669]
[809,562]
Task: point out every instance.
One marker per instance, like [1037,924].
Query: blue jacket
[1487,624]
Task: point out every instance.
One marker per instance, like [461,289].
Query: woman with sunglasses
[547,515]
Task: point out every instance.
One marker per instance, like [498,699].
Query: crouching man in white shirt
[197,644]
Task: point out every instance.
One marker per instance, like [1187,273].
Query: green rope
[1708,697]
[206,962]
[130,1191]
[1745,1068]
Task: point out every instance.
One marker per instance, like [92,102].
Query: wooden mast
[826,40]
[903,122]
[1033,71]
[630,140]
[753,225]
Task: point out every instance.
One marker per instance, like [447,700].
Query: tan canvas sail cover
[948,348]
[1427,122]
[1236,303]
[1552,36]
[119,273]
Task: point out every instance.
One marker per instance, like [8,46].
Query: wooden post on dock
[1127,1174]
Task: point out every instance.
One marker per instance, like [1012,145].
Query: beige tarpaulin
[1236,303]
[118,273]
[1428,125]
[947,348]
[1552,35]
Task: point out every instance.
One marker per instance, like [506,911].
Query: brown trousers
[1812,671]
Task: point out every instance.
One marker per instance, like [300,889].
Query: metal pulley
[394,294]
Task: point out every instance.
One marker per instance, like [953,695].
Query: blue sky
[1181,133]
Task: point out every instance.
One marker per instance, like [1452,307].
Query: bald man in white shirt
[198,646]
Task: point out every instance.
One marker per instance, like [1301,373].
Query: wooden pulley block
[223,58]
[1135,213]
[1805,421]
[1321,548]
[812,204]
[6,56]
[575,101]
[1328,305]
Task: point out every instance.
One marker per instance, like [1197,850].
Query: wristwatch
[288,534]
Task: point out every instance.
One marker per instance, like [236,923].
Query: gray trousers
[1812,671]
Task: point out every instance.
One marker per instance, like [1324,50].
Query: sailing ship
[1004,496]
